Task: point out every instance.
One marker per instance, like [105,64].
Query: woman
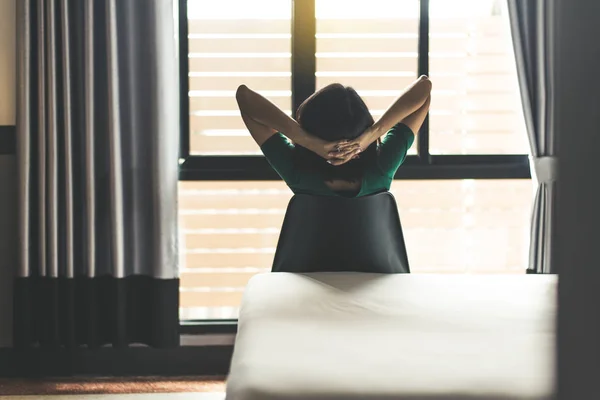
[335,147]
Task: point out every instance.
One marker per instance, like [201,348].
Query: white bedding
[353,336]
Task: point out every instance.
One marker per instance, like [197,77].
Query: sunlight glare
[371,9]
[239,9]
[340,9]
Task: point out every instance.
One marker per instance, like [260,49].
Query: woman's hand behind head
[360,143]
[336,153]
[342,155]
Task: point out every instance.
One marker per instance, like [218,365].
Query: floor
[113,388]
[146,396]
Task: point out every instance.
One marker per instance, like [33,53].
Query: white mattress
[352,336]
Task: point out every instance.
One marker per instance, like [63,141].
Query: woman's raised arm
[410,108]
[263,119]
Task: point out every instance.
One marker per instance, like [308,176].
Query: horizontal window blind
[234,42]
[230,230]
[476,106]
[369,45]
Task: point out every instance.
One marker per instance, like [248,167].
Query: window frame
[424,166]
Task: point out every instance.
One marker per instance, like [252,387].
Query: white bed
[353,336]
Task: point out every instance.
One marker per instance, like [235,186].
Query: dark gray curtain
[532,26]
[98,127]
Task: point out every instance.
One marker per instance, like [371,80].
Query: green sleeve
[278,150]
[393,148]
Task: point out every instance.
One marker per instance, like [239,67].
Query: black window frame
[423,166]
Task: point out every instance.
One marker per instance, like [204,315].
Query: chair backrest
[326,233]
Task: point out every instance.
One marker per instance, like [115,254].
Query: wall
[577,99]
[8,193]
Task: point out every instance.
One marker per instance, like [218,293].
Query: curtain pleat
[114,143]
[51,206]
[98,121]
[88,137]
[24,61]
[67,141]
[41,125]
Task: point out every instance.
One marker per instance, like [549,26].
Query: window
[233,42]
[477,107]
[230,231]
[464,193]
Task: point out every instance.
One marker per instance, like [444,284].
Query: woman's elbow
[425,82]
[241,93]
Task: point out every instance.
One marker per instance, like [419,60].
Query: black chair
[325,234]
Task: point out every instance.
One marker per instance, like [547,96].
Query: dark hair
[333,113]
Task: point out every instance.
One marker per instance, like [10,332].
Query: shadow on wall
[8,244]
